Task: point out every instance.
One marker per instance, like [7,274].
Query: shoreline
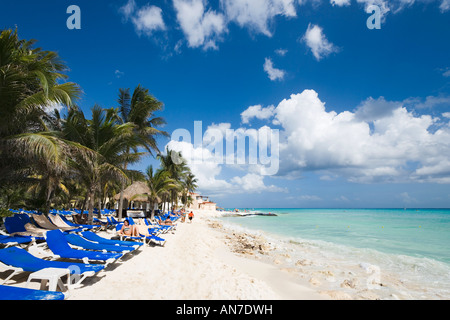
[197,263]
[347,272]
[211,260]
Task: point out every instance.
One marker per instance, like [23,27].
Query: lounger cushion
[16,293]
[21,258]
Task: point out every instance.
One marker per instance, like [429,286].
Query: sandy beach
[197,263]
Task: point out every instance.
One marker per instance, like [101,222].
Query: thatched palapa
[138,191]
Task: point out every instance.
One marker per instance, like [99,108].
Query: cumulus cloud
[362,146]
[146,19]
[373,109]
[206,169]
[398,148]
[257,112]
[202,28]
[254,183]
[257,15]
[149,19]
[316,40]
[273,73]
[202,164]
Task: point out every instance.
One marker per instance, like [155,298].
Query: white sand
[195,264]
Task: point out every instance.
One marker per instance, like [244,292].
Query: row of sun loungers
[64,240]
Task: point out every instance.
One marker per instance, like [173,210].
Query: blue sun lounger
[16,293]
[16,225]
[13,241]
[96,238]
[78,241]
[20,260]
[146,234]
[59,246]
[142,237]
[161,228]
[119,227]
[154,238]
[111,222]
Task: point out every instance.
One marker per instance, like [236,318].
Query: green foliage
[52,159]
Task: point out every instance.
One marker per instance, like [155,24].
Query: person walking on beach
[191,216]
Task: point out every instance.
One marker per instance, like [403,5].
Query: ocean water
[410,248]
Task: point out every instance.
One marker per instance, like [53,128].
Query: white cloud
[273,73]
[340,3]
[52,106]
[257,112]
[281,52]
[119,74]
[446,115]
[128,9]
[429,102]
[146,19]
[203,166]
[202,28]
[254,183]
[374,109]
[383,5]
[396,6]
[257,15]
[400,147]
[149,19]
[447,72]
[445,5]
[206,169]
[317,42]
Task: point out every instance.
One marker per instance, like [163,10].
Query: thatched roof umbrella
[138,191]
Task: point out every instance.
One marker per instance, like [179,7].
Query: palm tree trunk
[99,206]
[91,205]
[119,214]
[121,191]
[164,204]
[152,214]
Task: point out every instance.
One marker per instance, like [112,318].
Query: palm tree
[160,184]
[107,140]
[190,185]
[139,109]
[174,163]
[30,80]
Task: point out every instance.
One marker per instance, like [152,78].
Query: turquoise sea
[410,244]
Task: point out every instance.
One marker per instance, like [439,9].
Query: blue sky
[363,114]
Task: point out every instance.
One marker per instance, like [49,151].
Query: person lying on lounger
[129,230]
[166,222]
